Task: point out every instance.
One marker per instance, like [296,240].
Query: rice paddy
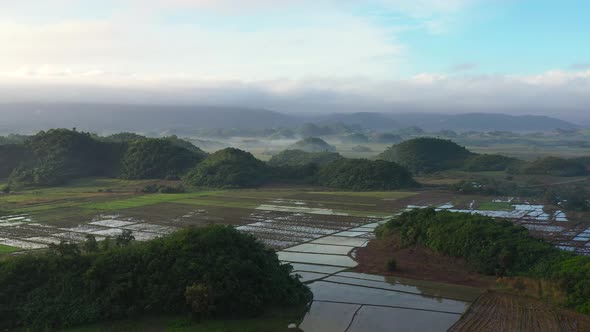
[317,232]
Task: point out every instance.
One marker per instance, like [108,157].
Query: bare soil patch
[417,262]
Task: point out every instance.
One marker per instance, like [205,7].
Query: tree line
[495,248]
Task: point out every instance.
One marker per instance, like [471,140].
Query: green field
[82,200]
[4,249]
[496,206]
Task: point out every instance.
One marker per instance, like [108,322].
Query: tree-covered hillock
[427,155]
[60,155]
[229,168]
[209,272]
[302,158]
[185,144]
[153,158]
[363,174]
[313,144]
[495,248]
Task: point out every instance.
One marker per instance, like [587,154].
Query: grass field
[7,249]
[496,206]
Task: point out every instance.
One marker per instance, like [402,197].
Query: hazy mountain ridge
[184,119]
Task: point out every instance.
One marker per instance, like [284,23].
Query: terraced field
[504,312]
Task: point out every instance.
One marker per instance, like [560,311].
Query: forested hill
[184,120]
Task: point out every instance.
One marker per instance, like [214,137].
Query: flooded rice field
[321,243]
[322,251]
[23,233]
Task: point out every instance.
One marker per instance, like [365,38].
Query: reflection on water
[334,260]
[327,291]
[328,317]
[430,288]
[356,302]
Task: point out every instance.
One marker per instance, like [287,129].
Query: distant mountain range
[185,119]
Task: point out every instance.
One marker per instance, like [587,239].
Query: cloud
[557,93]
[466,66]
[331,45]
[580,66]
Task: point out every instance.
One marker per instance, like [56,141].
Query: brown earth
[498,312]
[417,262]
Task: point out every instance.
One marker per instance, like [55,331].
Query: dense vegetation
[152,158]
[228,168]
[12,156]
[60,155]
[490,162]
[495,248]
[363,174]
[572,197]
[57,156]
[556,167]
[214,271]
[427,155]
[313,144]
[302,158]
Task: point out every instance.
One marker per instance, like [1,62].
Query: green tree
[90,245]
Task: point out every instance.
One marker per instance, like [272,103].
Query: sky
[511,56]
